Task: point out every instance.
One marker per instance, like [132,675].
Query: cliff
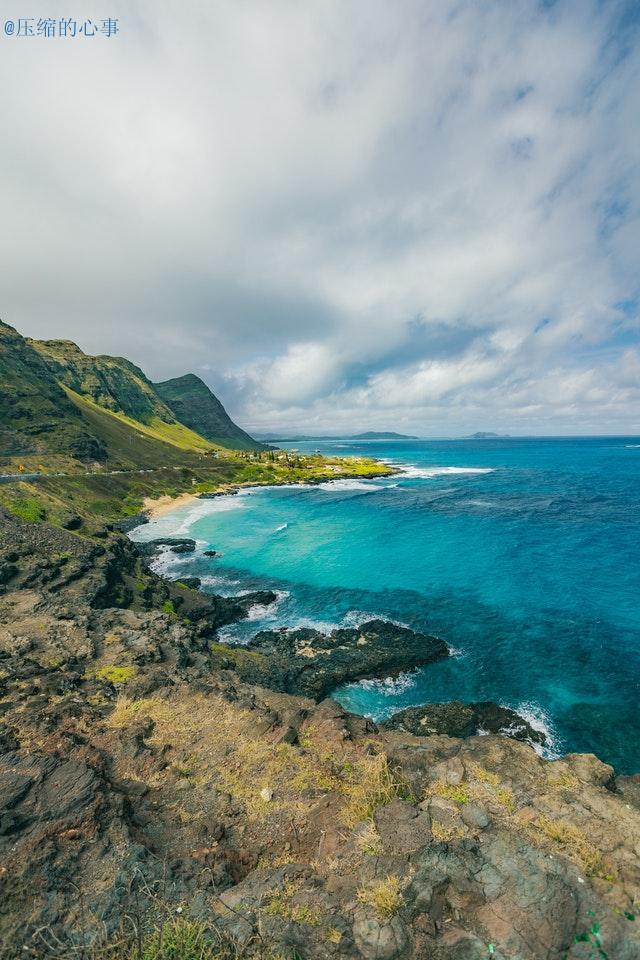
[154,804]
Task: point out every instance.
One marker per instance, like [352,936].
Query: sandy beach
[156,507]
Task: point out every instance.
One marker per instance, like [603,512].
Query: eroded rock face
[456,719]
[312,664]
[139,772]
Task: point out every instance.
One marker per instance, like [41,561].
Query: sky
[418,215]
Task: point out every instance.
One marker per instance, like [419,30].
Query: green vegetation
[179,940]
[102,438]
[28,508]
[115,674]
[458,792]
[194,404]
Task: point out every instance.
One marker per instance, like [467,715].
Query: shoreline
[154,507]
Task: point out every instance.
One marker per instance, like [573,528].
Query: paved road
[17,477]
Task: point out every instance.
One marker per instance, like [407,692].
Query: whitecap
[219,581]
[426,473]
[389,686]
[456,652]
[355,618]
[540,721]
[267,611]
[347,484]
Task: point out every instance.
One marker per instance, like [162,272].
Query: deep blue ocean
[522,554]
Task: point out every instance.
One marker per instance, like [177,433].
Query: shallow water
[521,554]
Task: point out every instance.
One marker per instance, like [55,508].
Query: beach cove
[518,553]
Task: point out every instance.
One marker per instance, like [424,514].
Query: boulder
[456,719]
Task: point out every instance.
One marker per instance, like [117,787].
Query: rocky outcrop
[456,719]
[150,548]
[145,778]
[310,663]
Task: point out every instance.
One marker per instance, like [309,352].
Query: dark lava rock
[456,719]
[210,553]
[130,523]
[311,663]
[176,545]
[72,523]
[193,583]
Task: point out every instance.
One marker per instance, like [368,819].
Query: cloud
[365,215]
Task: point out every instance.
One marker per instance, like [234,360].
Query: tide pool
[522,554]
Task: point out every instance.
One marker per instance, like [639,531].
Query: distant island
[370,435]
[487,435]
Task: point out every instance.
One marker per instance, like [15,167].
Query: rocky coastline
[150,775]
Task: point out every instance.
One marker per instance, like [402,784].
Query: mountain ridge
[195,405]
[54,399]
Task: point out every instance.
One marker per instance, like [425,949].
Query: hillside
[57,401]
[166,796]
[192,402]
[36,415]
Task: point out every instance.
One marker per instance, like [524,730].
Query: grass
[126,711]
[226,753]
[384,896]
[115,674]
[368,840]
[568,839]
[372,784]
[459,793]
[488,788]
[28,508]
[282,904]
[179,940]
[442,833]
[175,434]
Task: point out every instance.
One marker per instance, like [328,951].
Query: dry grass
[484,785]
[368,840]
[216,746]
[384,896]
[444,834]
[569,840]
[372,784]
[562,780]
[459,793]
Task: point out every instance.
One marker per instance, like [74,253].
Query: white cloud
[427,214]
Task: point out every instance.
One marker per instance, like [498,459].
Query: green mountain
[36,415]
[193,404]
[57,400]
[113,383]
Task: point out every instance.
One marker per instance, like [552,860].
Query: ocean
[523,554]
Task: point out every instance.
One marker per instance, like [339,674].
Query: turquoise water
[522,554]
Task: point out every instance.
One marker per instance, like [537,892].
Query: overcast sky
[420,215]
